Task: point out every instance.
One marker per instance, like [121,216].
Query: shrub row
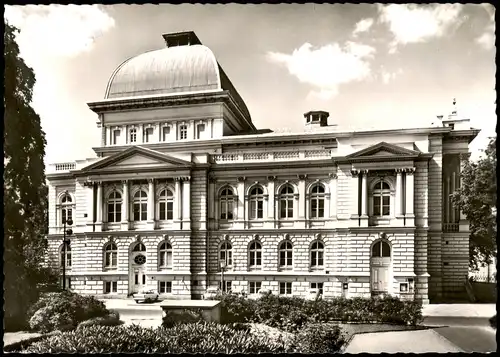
[291,314]
[182,338]
[66,310]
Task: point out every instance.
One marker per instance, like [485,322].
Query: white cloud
[363,26]
[327,67]
[487,39]
[411,23]
[390,76]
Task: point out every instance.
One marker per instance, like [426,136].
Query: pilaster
[150,223]
[363,222]
[399,198]
[90,205]
[355,198]
[125,207]
[410,189]
[271,203]
[302,201]
[98,223]
[240,209]
[177,203]
[186,203]
[333,195]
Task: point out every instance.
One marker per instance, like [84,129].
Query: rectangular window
[200,128]
[165,132]
[110,287]
[116,136]
[68,282]
[133,135]
[285,288]
[255,286]
[143,279]
[227,210]
[136,280]
[148,134]
[170,210]
[376,205]
[227,286]
[163,211]
[318,286]
[166,259]
[165,287]
[183,132]
[256,209]
[385,205]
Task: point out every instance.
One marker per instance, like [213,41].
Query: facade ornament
[410,170]
[318,236]
[88,183]
[302,176]
[332,176]
[165,236]
[124,181]
[241,178]
[271,178]
[355,173]
[212,179]
[256,237]
[399,170]
[138,238]
[111,239]
[151,180]
[226,237]
[382,235]
[286,236]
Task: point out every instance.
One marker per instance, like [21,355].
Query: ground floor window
[318,286]
[165,287]
[254,286]
[227,286]
[68,283]
[110,287]
[285,288]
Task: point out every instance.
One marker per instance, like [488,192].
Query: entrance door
[139,280]
[380,279]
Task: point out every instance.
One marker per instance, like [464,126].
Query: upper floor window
[381,199]
[110,256]
[255,255]
[165,255]
[256,200]
[381,249]
[114,207]
[286,202]
[200,128]
[226,254]
[139,247]
[140,205]
[116,136]
[166,205]
[317,201]
[183,132]
[226,203]
[317,252]
[286,255]
[65,257]
[165,132]
[66,208]
[133,135]
[148,134]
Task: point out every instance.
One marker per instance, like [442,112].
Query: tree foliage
[477,198]
[25,191]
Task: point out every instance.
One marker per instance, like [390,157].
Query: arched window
[66,208]
[165,255]
[317,254]
[166,205]
[115,207]
[381,199]
[64,259]
[110,256]
[317,200]
[226,254]
[139,247]
[226,203]
[256,200]
[286,202]
[381,249]
[255,255]
[286,255]
[140,205]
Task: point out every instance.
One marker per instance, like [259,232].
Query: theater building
[185,193]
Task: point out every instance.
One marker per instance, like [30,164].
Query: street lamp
[66,241]
[222,267]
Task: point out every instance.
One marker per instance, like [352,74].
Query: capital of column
[332,176]
[302,176]
[125,182]
[409,170]
[241,178]
[212,179]
[272,178]
[151,180]
[399,171]
[355,173]
[88,184]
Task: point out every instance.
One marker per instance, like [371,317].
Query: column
[125,207]
[409,216]
[151,204]
[333,195]
[364,199]
[240,211]
[98,224]
[186,203]
[90,205]
[399,197]
[108,141]
[209,128]
[271,201]
[355,188]
[125,135]
[463,222]
[213,208]
[176,132]
[177,201]
[302,200]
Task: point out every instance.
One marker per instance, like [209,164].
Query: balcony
[231,158]
[450,227]
[64,167]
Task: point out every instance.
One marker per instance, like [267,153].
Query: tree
[477,199]
[25,191]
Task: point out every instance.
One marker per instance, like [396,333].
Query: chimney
[187,38]
[316,118]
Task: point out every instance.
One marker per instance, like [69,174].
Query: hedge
[291,314]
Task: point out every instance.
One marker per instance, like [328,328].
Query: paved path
[471,339]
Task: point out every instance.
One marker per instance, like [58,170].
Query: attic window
[308,118]
[452,126]
[148,133]
[315,117]
[165,132]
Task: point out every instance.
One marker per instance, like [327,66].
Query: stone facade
[185,182]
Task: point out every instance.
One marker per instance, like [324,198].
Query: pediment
[383,149]
[138,157]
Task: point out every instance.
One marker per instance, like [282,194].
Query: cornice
[274,165]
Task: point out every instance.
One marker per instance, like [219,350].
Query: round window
[140,259]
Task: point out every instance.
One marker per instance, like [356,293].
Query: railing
[286,155]
[320,154]
[450,227]
[271,156]
[66,166]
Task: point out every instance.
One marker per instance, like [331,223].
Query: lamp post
[222,267]
[66,241]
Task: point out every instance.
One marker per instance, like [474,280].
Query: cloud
[57,30]
[487,39]
[327,67]
[411,23]
[363,26]
[389,76]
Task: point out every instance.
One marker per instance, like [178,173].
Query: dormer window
[183,132]
[116,136]
[165,132]
[148,134]
[133,135]
[315,118]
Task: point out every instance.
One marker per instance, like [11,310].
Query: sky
[371,66]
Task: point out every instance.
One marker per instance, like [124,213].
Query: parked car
[210,293]
[239,292]
[313,295]
[260,293]
[146,296]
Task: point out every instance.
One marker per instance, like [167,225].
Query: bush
[113,319]
[319,338]
[185,338]
[235,308]
[186,316]
[64,311]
